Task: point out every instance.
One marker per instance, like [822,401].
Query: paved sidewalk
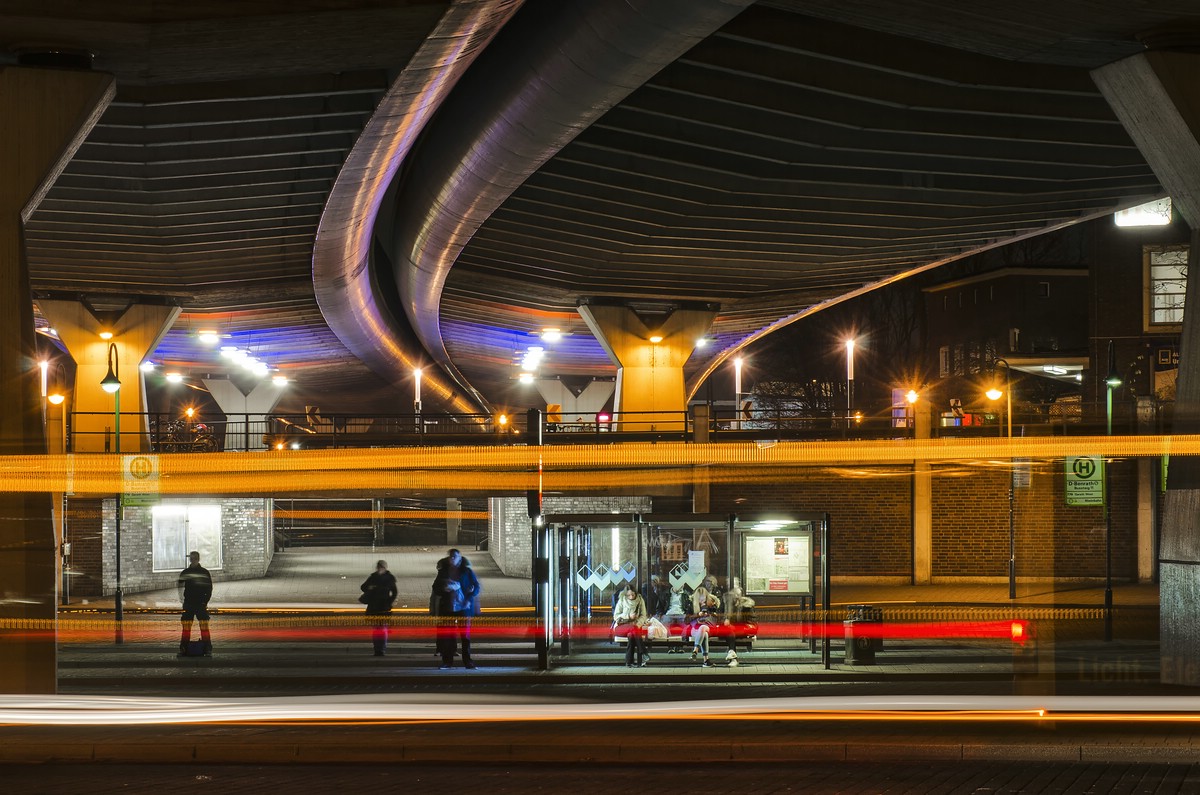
[296,635]
[319,577]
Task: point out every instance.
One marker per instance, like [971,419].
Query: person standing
[657,596]
[456,597]
[195,589]
[379,594]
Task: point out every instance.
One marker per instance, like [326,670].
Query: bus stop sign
[1085,480]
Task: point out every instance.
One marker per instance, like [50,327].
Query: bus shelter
[770,563]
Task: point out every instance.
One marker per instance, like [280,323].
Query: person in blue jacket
[455,597]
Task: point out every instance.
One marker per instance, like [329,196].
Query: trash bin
[861,646]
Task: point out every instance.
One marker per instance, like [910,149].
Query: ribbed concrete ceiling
[789,160]
[205,180]
[802,152]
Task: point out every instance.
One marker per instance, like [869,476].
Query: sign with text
[778,564]
[139,474]
[1085,480]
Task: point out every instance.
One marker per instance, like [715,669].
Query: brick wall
[246,544]
[870,520]
[510,539]
[869,512]
[84,534]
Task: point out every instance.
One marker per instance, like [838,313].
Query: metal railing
[169,433]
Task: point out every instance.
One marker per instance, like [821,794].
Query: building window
[944,361]
[1166,284]
[1043,289]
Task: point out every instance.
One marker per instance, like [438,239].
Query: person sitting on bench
[629,621]
[705,609]
[739,609]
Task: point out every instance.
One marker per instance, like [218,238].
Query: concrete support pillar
[136,331]
[1156,95]
[649,374]
[701,476]
[586,405]
[377,521]
[46,115]
[922,502]
[1145,519]
[245,412]
[453,520]
[56,444]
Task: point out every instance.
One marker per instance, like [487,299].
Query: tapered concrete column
[245,412]
[701,475]
[46,114]
[585,405]
[1156,95]
[378,523]
[922,502]
[649,374]
[453,520]
[136,331]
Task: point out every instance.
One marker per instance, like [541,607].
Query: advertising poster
[778,564]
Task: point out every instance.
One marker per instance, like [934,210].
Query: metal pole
[737,394]
[1108,595]
[849,383]
[420,426]
[825,593]
[118,604]
[1012,487]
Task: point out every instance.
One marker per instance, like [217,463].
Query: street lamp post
[112,383]
[1012,474]
[1111,382]
[417,397]
[56,426]
[849,382]
[737,393]
[911,397]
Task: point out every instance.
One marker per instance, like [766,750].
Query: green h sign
[1085,480]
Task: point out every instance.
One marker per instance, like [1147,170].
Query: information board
[778,564]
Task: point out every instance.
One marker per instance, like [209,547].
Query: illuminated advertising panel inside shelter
[778,563]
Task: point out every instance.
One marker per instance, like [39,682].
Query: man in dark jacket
[379,594]
[195,589]
[456,596]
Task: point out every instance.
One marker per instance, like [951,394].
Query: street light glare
[994,394]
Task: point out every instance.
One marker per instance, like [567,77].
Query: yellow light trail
[516,469]
[287,513]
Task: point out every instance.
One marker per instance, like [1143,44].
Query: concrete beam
[1156,95]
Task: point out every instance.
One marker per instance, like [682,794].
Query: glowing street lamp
[417,372]
[850,381]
